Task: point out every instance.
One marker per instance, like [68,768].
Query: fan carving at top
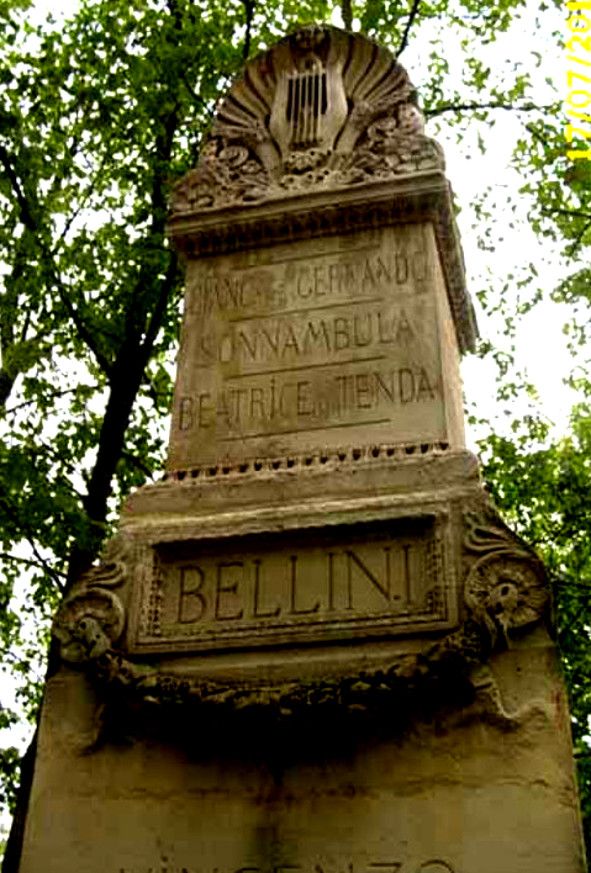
[321,109]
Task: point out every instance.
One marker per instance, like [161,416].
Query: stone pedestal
[342,683]
[481,790]
[313,646]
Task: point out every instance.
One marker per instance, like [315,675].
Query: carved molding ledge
[348,456]
[506,593]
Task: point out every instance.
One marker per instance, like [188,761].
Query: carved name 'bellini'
[379,579]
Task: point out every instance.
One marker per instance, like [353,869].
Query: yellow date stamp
[578,79]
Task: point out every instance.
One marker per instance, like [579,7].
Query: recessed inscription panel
[378,580]
[316,344]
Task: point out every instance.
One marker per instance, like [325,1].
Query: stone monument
[313,646]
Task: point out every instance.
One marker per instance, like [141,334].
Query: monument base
[340,669]
[486,788]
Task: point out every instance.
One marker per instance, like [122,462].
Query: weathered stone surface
[462,795]
[314,646]
[331,304]
[311,345]
[429,585]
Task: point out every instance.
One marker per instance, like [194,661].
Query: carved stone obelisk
[313,646]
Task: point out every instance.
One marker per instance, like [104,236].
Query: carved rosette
[321,109]
[506,588]
[91,619]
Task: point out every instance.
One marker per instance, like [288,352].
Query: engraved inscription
[271,341]
[331,279]
[221,590]
[289,349]
[380,579]
[271,405]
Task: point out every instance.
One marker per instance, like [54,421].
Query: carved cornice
[505,593]
[231,178]
[347,457]
[424,198]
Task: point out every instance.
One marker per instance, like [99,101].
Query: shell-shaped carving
[322,108]
[317,88]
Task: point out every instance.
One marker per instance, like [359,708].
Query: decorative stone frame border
[506,592]
[146,636]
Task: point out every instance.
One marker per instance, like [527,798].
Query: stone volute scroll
[92,618]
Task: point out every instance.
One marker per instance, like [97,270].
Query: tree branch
[26,214]
[55,574]
[30,221]
[82,203]
[83,332]
[192,92]
[160,308]
[571,249]
[151,391]
[13,849]
[475,107]
[249,7]
[7,381]
[347,14]
[409,23]
[575,213]
[536,135]
[133,354]
[53,394]
[133,461]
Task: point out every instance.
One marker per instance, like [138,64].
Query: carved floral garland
[230,175]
